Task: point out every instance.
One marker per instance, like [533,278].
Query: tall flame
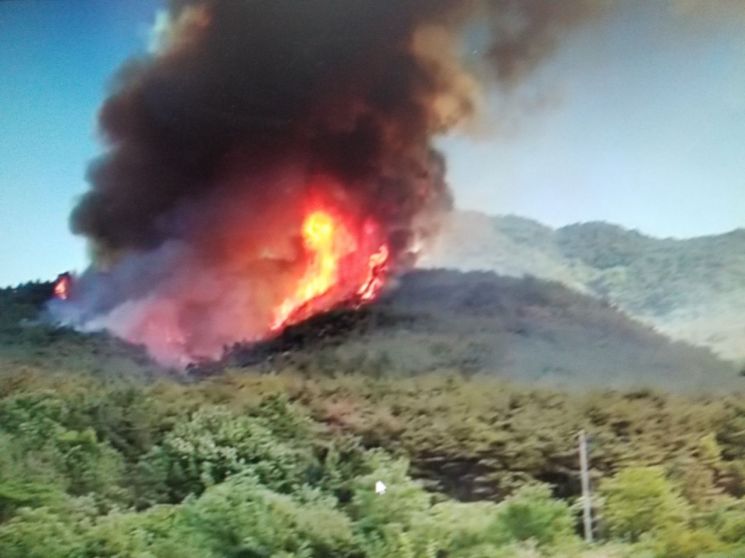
[375,274]
[330,244]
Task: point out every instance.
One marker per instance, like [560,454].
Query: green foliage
[159,532]
[214,443]
[405,501]
[40,533]
[43,441]
[241,517]
[688,543]
[286,465]
[532,514]
[641,500]
[16,493]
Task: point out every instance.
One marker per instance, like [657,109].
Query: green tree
[641,500]
[532,514]
[242,518]
[45,532]
[215,443]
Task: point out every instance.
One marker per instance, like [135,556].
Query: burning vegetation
[61,287]
[337,261]
[268,161]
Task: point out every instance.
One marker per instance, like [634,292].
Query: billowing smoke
[271,159]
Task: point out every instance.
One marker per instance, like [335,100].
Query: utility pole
[585,477]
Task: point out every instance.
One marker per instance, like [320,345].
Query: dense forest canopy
[104,455]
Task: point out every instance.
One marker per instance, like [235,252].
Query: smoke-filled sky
[638,119]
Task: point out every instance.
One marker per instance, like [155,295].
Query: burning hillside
[270,161]
[480,323]
[194,306]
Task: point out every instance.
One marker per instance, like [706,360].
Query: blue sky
[645,126]
[646,129]
[56,59]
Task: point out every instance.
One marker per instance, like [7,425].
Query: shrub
[641,500]
[241,517]
[532,514]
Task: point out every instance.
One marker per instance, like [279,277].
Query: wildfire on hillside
[268,161]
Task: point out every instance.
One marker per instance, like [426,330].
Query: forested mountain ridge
[525,329]
[692,289]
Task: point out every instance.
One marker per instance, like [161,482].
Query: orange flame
[327,241]
[330,245]
[61,287]
[375,274]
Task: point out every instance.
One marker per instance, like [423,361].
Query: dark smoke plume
[248,87]
[248,108]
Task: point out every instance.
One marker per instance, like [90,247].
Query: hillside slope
[95,461]
[480,323]
[693,289]
[534,331]
[26,342]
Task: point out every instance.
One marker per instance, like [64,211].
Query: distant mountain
[692,289]
[481,323]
